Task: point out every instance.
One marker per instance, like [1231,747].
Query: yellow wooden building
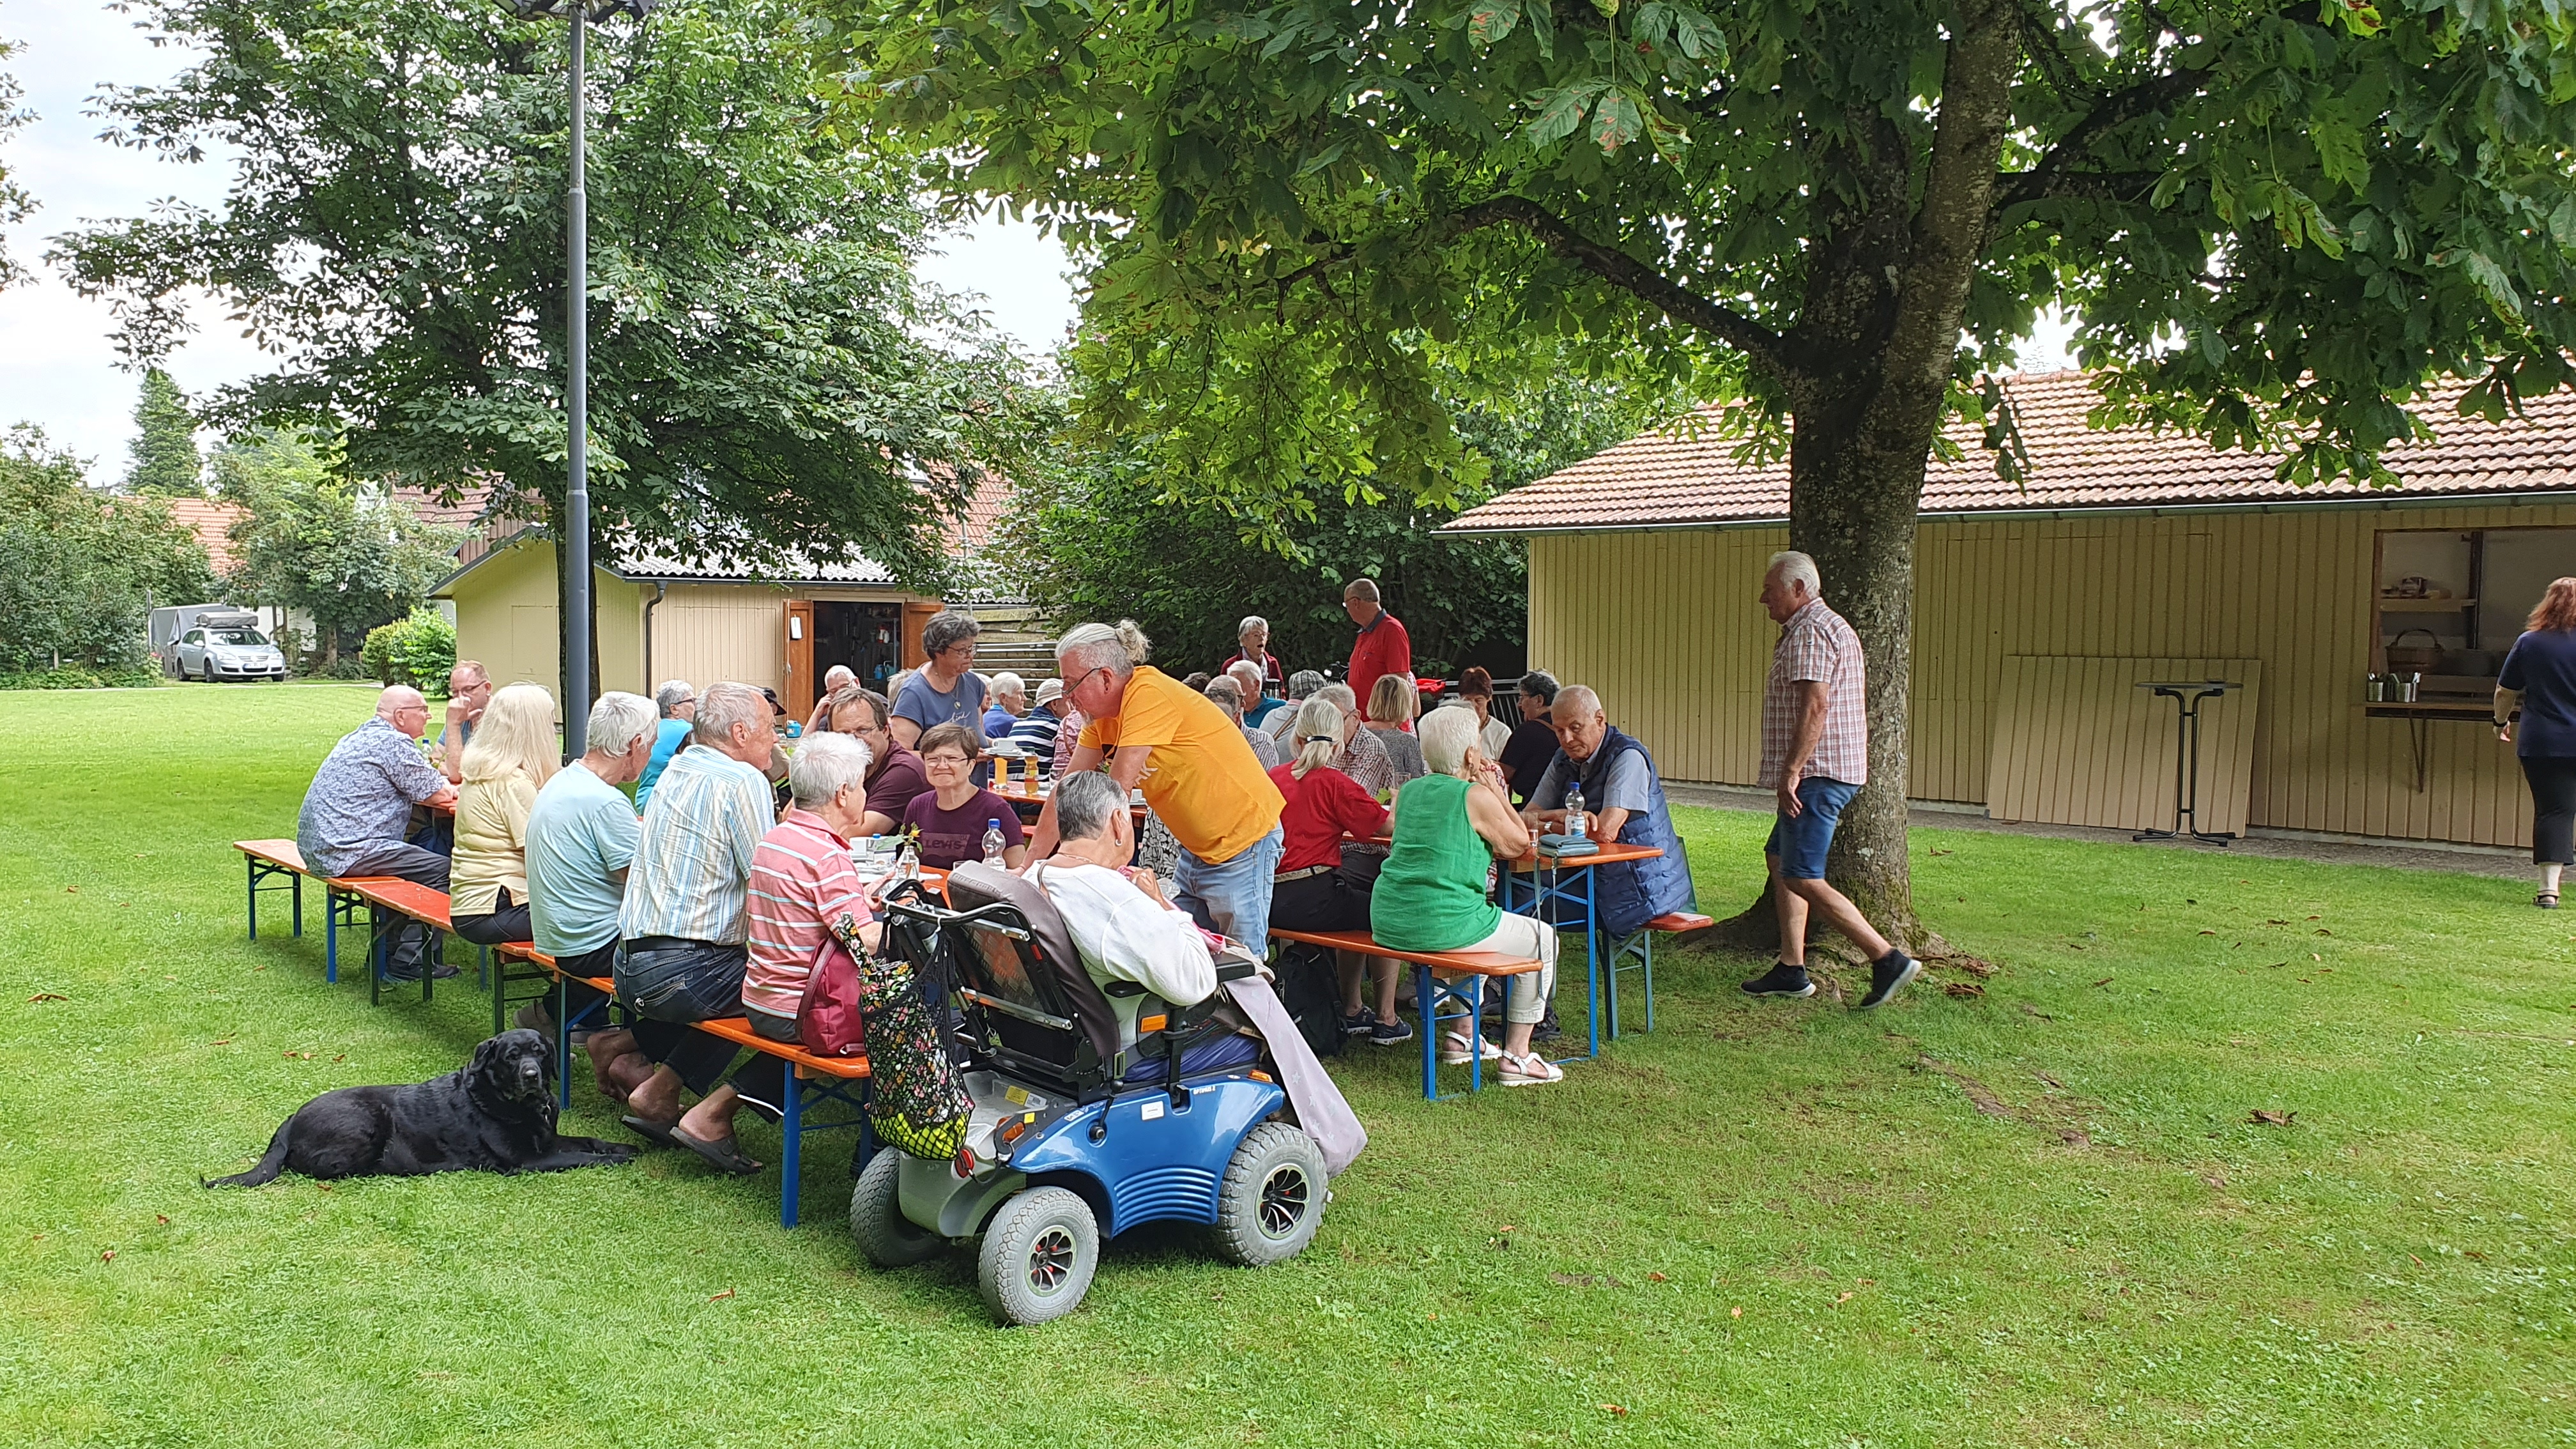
[2125,558]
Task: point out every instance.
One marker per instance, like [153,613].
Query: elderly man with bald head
[1623,797]
[357,814]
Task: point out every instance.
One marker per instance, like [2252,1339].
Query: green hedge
[70,678]
[418,651]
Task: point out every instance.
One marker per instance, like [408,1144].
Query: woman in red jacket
[1310,891]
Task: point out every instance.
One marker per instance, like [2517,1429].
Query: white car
[228,652]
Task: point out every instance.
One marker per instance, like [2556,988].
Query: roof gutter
[1969,515]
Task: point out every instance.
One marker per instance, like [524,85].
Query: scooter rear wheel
[886,1236]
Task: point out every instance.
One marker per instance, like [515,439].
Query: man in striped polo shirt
[685,927]
[1815,757]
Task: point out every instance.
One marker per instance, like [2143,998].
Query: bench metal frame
[262,874]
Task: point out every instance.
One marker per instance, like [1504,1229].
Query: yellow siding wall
[704,633]
[506,613]
[1666,626]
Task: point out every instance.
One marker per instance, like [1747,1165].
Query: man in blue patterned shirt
[357,815]
[683,922]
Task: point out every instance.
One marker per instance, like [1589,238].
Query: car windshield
[238,636]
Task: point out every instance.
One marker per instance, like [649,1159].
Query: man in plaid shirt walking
[1815,755]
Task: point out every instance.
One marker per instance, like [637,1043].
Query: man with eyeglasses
[677,700]
[895,774]
[357,814]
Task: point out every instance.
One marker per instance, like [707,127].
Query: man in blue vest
[1624,796]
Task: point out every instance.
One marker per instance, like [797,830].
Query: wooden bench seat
[411,900]
[265,861]
[1430,991]
[812,1080]
[1636,952]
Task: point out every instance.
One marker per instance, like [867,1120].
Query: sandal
[723,1156]
[1453,1048]
[2546,900]
[647,1127]
[1529,1071]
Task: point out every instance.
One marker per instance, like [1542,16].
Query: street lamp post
[573,560]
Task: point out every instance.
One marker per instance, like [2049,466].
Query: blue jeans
[1232,898]
[1801,842]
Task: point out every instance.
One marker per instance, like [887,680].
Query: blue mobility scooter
[1076,1135]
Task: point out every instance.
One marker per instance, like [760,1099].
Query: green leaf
[1562,110]
[1652,25]
[1699,37]
[1493,20]
[1542,24]
[2492,280]
[1616,122]
[2340,153]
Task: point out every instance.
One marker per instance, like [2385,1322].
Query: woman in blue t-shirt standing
[945,689]
[2540,676]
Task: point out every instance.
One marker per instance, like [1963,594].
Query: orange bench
[265,860]
[811,1080]
[1429,991]
[1640,945]
[410,899]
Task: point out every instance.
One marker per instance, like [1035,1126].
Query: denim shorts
[1801,842]
[1232,898]
[664,978]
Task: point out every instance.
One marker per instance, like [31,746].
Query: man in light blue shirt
[683,920]
[581,841]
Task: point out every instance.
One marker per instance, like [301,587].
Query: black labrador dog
[495,1114]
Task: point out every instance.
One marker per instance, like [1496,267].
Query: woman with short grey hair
[1253,634]
[1533,744]
[946,689]
[825,765]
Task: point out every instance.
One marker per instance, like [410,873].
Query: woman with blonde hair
[1393,703]
[513,754]
[1450,826]
[1312,892]
[2539,677]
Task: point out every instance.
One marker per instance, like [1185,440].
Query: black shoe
[1887,976]
[1359,1023]
[1782,979]
[1546,1031]
[1389,1032]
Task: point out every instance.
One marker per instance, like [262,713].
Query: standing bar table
[2188,696]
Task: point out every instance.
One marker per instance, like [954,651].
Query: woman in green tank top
[1450,826]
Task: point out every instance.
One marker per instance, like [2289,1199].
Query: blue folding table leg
[790,1155]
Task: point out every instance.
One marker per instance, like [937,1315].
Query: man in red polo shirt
[1382,648]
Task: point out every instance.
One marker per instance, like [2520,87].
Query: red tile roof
[211,522]
[1670,478]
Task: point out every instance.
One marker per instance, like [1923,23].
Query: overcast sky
[57,368]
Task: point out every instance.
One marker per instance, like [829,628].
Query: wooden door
[797,691]
[916,613]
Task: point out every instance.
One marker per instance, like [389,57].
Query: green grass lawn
[2036,1216]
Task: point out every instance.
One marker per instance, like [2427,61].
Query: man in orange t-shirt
[1198,774]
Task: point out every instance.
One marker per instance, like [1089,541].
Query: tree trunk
[1864,424]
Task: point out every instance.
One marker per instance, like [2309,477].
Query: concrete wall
[1666,626]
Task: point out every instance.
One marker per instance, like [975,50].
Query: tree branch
[2114,186]
[2147,97]
[1758,343]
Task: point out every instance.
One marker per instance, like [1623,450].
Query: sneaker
[1887,976]
[1359,1023]
[1389,1032]
[1782,979]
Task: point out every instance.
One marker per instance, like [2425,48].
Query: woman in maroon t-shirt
[1310,891]
[954,814]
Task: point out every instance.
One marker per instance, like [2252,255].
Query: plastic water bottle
[1574,821]
[993,844]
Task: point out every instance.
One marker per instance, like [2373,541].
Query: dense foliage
[15,203]
[81,570]
[2274,219]
[763,369]
[418,651]
[164,449]
[346,554]
[1102,538]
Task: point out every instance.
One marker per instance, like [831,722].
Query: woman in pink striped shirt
[802,881]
